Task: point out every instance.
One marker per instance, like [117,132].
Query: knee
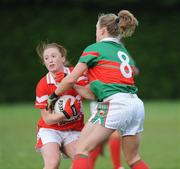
[115,135]
[84,149]
[52,163]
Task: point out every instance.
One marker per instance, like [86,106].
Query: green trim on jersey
[90,60]
[101,114]
[107,51]
[102,90]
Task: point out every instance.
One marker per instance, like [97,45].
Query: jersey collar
[50,78]
[111,39]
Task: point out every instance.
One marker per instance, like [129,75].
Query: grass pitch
[160,146]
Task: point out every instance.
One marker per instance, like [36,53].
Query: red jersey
[45,87]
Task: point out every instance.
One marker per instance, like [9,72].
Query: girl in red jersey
[55,133]
[111,75]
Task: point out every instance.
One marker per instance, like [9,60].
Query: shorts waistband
[121,95]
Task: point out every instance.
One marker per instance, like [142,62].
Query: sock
[81,162]
[115,150]
[94,155]
[139,165]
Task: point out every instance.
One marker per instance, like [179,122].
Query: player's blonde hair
[41,47]
[122,25]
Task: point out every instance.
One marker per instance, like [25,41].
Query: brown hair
[41,47]
[122,25]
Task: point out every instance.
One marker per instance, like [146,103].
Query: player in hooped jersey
[55,133]
[111,76]
[114,141]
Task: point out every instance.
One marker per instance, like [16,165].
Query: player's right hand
[72,110]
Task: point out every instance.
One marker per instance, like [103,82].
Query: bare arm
[51,118]
[70,79]
[84,91]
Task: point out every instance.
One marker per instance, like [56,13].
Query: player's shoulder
[93,49]
[93,46]
[42,82]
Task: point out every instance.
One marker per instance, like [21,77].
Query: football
[60,103]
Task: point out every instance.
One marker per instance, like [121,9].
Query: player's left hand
[72,110]
[51,101]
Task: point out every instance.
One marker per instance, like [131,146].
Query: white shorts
[122,111]
[46,135]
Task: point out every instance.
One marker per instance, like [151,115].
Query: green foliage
[160,138]
[25,28]
[113,3]
[154,46]
[155,50]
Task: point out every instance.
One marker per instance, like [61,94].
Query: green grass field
[160,145]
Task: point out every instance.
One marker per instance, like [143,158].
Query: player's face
[53,59]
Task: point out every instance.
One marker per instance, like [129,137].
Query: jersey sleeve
[90,56]
[41,96]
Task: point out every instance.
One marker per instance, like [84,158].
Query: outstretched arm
[70,79]
[84,91]
[67,83]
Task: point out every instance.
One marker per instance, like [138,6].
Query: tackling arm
[84,91]
[67,83]
[70,79]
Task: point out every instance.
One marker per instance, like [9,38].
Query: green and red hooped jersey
[110,69]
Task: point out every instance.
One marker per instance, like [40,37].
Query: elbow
[46,117]
[93,97]
[47,121]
